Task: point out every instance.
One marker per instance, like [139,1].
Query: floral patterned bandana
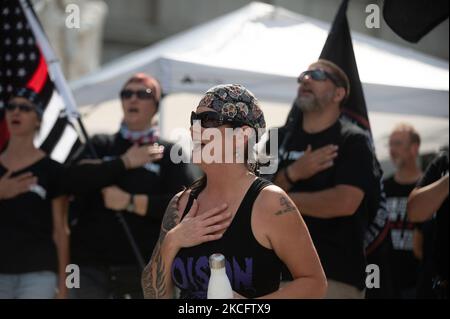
[236,102]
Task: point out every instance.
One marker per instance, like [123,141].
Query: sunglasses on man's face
[213,119]
[10,107]
[140,94]
[319,75]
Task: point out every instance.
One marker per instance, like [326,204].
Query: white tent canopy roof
[265,48]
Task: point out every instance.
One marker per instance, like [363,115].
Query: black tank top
[253,270]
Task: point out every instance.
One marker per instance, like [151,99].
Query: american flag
[22,64]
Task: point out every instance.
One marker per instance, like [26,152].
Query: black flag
[413,19]
[338,49]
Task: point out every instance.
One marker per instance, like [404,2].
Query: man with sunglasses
[34,243]
[326,166]
[99,243]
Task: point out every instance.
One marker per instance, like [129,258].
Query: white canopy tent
[264,48]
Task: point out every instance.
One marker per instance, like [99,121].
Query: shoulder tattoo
[286,206]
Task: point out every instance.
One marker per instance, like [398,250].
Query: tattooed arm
[191,231]
[156,279]
[278,225]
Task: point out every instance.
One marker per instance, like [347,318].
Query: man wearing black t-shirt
[327,168]
[429,198]
[404,144]
[99,243]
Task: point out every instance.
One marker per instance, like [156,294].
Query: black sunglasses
[140,94]
[214,119]
[320,75]
[10,107]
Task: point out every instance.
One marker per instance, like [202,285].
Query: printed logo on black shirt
[193,275]
[294,155]
[39,190]
[153,167]
[401,230]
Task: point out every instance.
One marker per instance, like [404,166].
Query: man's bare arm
[339,201]
[425,201]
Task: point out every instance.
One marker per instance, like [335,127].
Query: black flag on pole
[23,64]
[339,50]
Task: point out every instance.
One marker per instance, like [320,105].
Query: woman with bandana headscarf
[231,211]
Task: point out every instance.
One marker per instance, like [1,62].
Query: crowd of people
[139,225]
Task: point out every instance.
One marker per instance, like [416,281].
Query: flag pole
[60,83]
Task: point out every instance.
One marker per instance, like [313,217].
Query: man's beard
[312,103]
